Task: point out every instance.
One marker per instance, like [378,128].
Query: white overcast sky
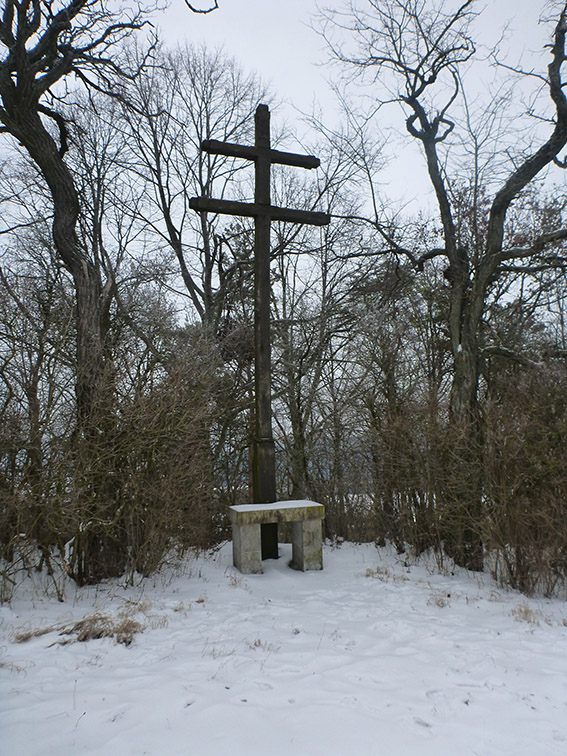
[269,37]
[274,39]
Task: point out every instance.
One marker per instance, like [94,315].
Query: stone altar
[306,519]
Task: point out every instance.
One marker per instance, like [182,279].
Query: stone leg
[247,549]
[307,549]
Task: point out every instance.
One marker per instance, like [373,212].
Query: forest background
[419,374]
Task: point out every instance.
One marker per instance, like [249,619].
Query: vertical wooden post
[264,452]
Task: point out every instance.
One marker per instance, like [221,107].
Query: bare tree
[418,50]
[43,43]
[190,94]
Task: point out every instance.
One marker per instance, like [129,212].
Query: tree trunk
[463,539]
[97,553]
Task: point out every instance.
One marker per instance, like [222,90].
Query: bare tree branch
[198,10]
[509,354]
[536,247]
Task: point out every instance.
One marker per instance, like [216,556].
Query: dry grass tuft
[126,631]
[92,627]
[384,574]
[523,613]
[101,626]
[11,666]
[439,599]
[25,636]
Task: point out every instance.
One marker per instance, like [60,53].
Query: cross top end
[262,126]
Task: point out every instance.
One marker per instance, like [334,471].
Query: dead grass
[11,666]
[26,635]
[440,599]
[385,575]
[92,627]
[523,613]
[101,626]
[264,645]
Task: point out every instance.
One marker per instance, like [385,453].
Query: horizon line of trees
[420,374]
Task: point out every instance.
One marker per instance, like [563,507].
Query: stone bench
[306,533]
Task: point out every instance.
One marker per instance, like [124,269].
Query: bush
[126,496]
[525,467]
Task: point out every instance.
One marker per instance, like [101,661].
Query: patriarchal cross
[263,212]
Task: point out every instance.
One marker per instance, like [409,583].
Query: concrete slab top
[275,505]
[278,511]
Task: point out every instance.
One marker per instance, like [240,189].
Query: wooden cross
[263,212]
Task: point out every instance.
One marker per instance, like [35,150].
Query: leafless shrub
[427,485]
[407,447]
[160,495]
[526,480]
[150,464]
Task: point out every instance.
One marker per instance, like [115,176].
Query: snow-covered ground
[369,656]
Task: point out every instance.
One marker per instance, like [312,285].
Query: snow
[370,656]
[294,504]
